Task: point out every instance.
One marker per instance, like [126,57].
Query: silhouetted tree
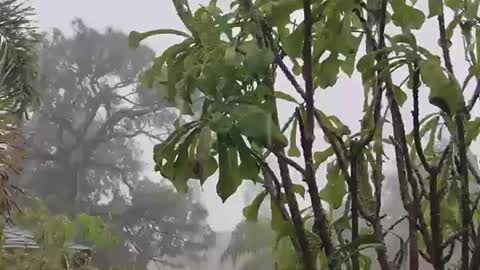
[84,155]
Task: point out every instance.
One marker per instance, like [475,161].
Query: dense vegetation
[234,56]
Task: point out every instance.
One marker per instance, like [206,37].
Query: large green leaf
[258,125]
[249,168]
[435,7]
[229,175]
[445,93]
[406,16]
[335,190]
[326,73]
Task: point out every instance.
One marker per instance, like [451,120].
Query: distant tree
[250,246]
[160,225]
[92,108]
[84,157]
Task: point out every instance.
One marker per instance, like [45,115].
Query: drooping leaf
[249,168]
[258,125]
[293,150]
[326,73]
[322,156]
[293,44]
[229,176]
[281,227]
[472,129]
[251,212]
[365,194]
[445,93]
[299,189]
[284,96]
[135,37]
[400,95]
[335,190]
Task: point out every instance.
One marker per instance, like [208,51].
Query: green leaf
[322,156]
[341,224]
[472,9]
[284,96]
[249,169]
[445,93]
[453,4]
[134,38]
[282,227]
[365,194]
[406,16]
[472,129]
[435,7]
[221,123]
[258,60]
[299,189]
[251,212]
[335,190]
[348,66]
[399,95]
[258,125]
[229,176]
[204,144]
[293,44]
[362,242]
[182,169]
[293,151]
[326,72]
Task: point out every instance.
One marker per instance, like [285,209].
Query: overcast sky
[142,15]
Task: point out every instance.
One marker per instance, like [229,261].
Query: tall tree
[84,155]
[91,110]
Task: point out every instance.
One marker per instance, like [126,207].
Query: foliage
[54,234]
[18,57]
[251,242]
[83,153]
[157,226]
[233,55]
[91,112]
[18,75]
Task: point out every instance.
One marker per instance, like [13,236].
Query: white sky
[142,15]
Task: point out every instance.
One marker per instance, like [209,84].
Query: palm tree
[17,92]
[18,71]
[251,246]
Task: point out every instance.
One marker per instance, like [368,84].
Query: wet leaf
[335,190]
[251,212]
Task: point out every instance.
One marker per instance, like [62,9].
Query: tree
[158,226]
[234,55]
[84,157]
[250,246]
[90,111]
[18,74]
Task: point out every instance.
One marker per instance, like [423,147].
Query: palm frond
[18,69]
[248,238]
